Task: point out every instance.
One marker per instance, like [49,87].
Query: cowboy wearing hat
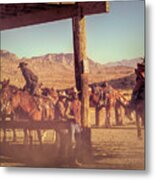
[105,91]
[60,107]
[73,114]
[139,90]
[30,78]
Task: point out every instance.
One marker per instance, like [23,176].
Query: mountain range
[58,69]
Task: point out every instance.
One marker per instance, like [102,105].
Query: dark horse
[138,98]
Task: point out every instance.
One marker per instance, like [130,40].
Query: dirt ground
[117,148]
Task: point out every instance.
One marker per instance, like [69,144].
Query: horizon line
[106,62]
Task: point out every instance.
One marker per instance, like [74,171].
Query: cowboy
[106,99]
[104,94]
[30,78]
[73,114]
[60,107]
[138,92]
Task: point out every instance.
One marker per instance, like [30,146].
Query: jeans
[75,129]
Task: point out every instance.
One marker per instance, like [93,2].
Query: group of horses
[20,105]
[121,105]
[108,98]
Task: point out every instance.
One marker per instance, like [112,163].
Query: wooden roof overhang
[24,14]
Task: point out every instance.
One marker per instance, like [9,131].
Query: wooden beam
[81,63]
[42,16]
[34,14]
[94,7]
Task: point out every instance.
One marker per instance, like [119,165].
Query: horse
[32,108]
[5,108]
[107,98]
[138,105]
[137,102]
[21,105]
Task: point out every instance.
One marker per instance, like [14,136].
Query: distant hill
[8,55]
[58,69]
[129,63]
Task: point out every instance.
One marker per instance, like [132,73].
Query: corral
[103,147]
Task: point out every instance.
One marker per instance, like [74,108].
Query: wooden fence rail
[34,125]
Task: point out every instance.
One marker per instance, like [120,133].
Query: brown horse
[5,108]
[107,98]
[21,105]
[32,108]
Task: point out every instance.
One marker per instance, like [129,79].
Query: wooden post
[81,63]
[81,77]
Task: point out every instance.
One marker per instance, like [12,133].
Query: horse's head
[94,96]
[7,94]
[5,97]
[5,106]
[5,83]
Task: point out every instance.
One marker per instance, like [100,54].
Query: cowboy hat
[63,94]
[103,84]
[22,64]
[75,91]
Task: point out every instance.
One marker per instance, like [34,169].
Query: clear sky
[112,36]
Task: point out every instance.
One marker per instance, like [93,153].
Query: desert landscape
[114,148]
[51,68]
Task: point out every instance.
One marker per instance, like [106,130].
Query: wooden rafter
[18,15]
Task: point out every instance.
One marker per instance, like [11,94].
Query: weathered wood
[76,45]
[94,7]
[17,15]
[40,16]
[85,101]
[81,63]
[34,125]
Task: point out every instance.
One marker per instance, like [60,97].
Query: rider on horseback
[30,78]
[138,92]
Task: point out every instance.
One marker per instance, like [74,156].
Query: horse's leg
[14,135]
[14,130]
[43,135]
[30,137]
[39,136]
[128,113]
[107,122]
[121,115]
[116,115]
[25,136]
[106,118]
[143,119]
[4,129]
[138,125]
[97,116]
